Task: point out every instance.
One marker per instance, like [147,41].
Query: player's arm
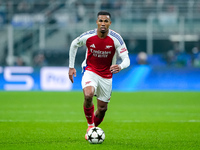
[123,54]
[72,72]
[125,61]
[124,64]
[72,55]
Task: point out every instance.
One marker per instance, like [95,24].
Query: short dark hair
[103,12]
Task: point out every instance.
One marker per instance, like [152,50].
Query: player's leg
[100,112]
[88,104]
[88,107]
[103,97]
[89,85]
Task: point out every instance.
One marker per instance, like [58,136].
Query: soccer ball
[96,135]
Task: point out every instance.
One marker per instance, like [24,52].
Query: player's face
[103,23]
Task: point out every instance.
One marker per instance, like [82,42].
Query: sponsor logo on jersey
[108,46]
[123,50]
[99,53]
[92,46]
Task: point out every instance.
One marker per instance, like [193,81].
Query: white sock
[90,124]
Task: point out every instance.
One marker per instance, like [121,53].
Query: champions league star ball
[96,135]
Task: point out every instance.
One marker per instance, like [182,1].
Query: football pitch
[138,120]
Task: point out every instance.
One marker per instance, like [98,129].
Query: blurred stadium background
[162,36]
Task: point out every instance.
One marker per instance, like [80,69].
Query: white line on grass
[36,112]
[42,120]
[177,121]
[121,121]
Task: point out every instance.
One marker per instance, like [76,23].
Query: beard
[103,30]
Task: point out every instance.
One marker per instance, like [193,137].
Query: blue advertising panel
[145,77]
[141,77]
[29,78]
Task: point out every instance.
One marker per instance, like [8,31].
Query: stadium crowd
[12,11]
[136,9]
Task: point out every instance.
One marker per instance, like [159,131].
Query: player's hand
[72,72]
[115,68]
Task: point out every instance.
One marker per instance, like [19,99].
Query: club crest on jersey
[108,46]
[92,46]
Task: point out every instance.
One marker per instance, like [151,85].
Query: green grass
[139,120]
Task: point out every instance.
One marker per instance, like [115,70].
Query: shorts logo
[87,82]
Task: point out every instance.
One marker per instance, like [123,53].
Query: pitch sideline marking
[122,121]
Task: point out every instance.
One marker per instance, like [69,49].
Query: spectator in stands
[80,11]
[2,13]
[149,5]
[132,45]
[142,58]
[39,60]
[195,58]
[9,8]
[170,57]
[51,20]
[169,16]
[160,4]
[176,56]
[105,5]
[23,7]
[19,62]
[181,58]
[117,8]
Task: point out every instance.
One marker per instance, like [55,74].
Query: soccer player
[103,47]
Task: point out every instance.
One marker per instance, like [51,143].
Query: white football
[96,135]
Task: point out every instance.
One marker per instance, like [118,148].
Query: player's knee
[102,109]
[88,96]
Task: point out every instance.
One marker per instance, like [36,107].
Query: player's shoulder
[88,33]
[116,36]
[113,32]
